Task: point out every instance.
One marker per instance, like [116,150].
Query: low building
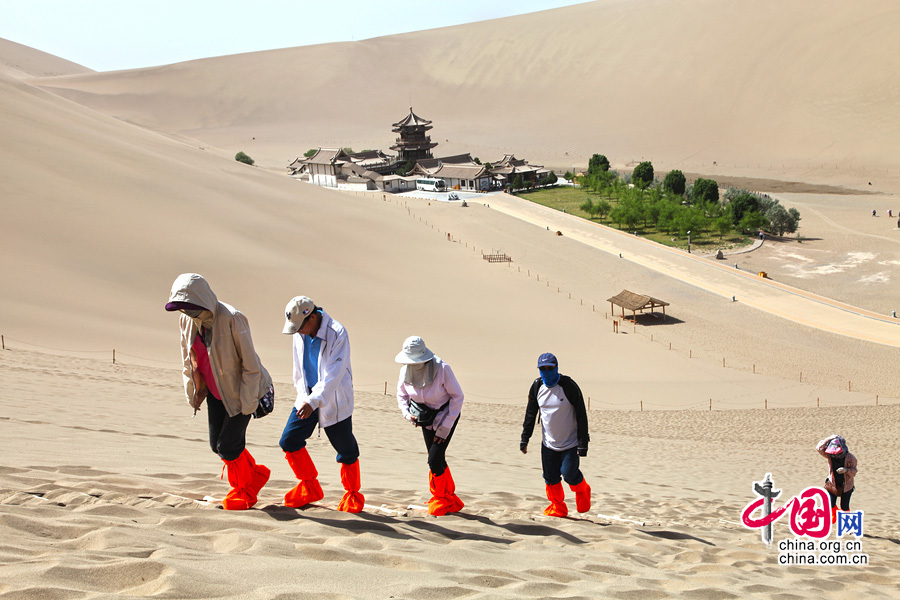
[459,172]
[505,171]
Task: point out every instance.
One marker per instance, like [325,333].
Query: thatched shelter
[636,303]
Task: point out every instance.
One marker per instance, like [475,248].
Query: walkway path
[718,277]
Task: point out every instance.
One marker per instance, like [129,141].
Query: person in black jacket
[564,428]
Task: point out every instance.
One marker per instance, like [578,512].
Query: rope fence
[617,322]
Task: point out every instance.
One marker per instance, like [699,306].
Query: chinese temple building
[413,143]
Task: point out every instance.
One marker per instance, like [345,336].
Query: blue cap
[547,360]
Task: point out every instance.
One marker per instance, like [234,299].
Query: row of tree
[673,206]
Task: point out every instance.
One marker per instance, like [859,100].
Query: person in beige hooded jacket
[220,366]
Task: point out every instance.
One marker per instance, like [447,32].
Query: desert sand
[114,183]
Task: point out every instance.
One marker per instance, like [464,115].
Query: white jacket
[333,393]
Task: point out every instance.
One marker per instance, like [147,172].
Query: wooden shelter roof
[631,301]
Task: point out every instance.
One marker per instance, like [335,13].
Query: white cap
[296,312]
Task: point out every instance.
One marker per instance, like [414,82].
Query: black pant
[436,452]
[227,435]
[845,499]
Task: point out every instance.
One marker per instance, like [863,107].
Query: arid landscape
[113,183]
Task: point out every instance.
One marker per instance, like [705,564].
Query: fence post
[385,388]
[3,340]
[114,356]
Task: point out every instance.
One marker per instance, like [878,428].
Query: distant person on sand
[220,366]
[564,427]
[430,397]
[324,381]
[841,470]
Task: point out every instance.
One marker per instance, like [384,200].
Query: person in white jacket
[430,397]
[324,381]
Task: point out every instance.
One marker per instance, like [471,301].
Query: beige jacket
[240,377]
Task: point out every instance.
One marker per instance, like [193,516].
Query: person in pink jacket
[430,397]
[841,470]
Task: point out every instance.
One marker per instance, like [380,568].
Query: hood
[192,288]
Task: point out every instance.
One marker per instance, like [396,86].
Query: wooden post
[817,402]
[3,340]
[801,376]
[848,386]
[754,368]
[710,404]
[723,362]
[385,388]
[690,354]
[114,356]
[642,406]
[589,403]
[767,404]
[670,345]
[651,337]
[876,399]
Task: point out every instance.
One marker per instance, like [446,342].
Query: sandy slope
[99,216]
[778,89]
[23,62]
[112,505]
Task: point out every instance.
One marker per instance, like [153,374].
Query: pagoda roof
[412,120]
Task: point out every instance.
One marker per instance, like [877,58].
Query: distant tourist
[220,366]
[873,212]
[564,428]
[841,470]
[430,397]
[324,381]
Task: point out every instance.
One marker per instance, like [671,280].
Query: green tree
[310,152]
[642,176]
[518,183]
[568,176]
[587,206]
[674,182]
[781,220]
[602,208]
[704,190]
[723,225]
[552,178]
[742,204]
[241,157]
[752,220]
[598,164]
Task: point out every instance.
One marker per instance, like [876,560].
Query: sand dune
[23,62]
[783,90]
[126,515]
[102,208]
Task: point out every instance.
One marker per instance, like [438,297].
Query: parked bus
[431,185]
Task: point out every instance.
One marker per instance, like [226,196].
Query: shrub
[642,176]
[598,164]
[705,190]
[310,152]
[241,157]
[674,182]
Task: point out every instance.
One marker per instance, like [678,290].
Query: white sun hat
[414,352]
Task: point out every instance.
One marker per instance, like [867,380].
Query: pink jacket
[444,388]
[849,466]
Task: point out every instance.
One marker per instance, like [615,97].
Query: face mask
[550,378]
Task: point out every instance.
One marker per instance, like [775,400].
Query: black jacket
[573,394]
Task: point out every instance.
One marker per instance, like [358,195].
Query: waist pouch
[424,414]
[266,404]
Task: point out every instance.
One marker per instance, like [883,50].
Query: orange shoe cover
[352,500]
[443,494]
[582,496]
[308,490]
[246,478]
[557,497]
